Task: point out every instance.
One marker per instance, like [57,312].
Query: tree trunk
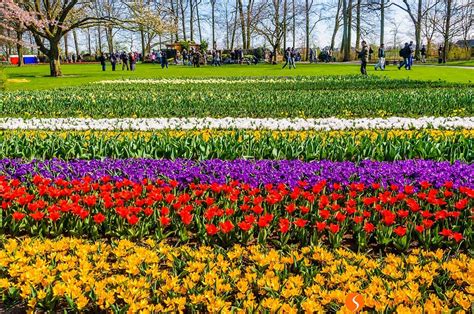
[249,20]
[358,23]
[99,38]
[242,23]
[349,29]
[336,25]
[183,20]
[9,46]
[19,47]
[66,46]
[234,30]
[344,33]
[447,29]
[142,38]
[174,11]
[382,21]
[285,14]
[89,41]
[213,23]
[307,8]
[53,56]
[191,20]
[199,21]
[418,30]
[293,22]
[110,38]
[76,43]
[276,47]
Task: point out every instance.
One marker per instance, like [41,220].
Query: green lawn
[35,77]
[462,63]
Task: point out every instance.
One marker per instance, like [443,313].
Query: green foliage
[240,144]
[204,45]
[278,98]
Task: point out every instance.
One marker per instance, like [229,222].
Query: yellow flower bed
[75,274]
[207,134]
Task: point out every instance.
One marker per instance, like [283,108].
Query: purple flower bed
[253,172]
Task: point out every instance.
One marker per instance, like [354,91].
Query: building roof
[462,43]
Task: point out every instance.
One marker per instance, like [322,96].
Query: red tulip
[226,226]
[165,221]
[400,231]
[320,226]
[245,226]
[300,223]
[211,229]
[420,228]
[369,228]
[18,216]
[284,225]
[457,237]
[99,218]
[334,228]
[37,215]
[133,220]
[54,216]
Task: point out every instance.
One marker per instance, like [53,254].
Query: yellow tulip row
[206,134]
[157,277]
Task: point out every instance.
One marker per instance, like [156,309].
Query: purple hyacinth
[253,172]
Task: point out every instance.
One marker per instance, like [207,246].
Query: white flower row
[177,81]
[149,124]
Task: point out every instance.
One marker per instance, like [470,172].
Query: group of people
[71,58]
[407,53]
[161,57]
[290,58]
[128,60]
[193,57]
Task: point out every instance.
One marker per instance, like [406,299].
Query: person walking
[287,58]
[405,54]
[164,59]
[102,61]
[381,56]
[124,58]
[411,47]
[364,57]
[423,54]
[113,61]
[293,58]
[196,59]
[133,61]
[440,54]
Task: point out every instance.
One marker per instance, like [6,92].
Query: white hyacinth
[149,124]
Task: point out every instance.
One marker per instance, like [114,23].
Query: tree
[48,21]
[183,5]
[13,23]
[416,17]
[270,25]
[147,19]
[429,24]
[453,15]
[337,23]
[213,22]
[380,6]
[310,25]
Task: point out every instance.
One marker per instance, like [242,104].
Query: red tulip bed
[395,217]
